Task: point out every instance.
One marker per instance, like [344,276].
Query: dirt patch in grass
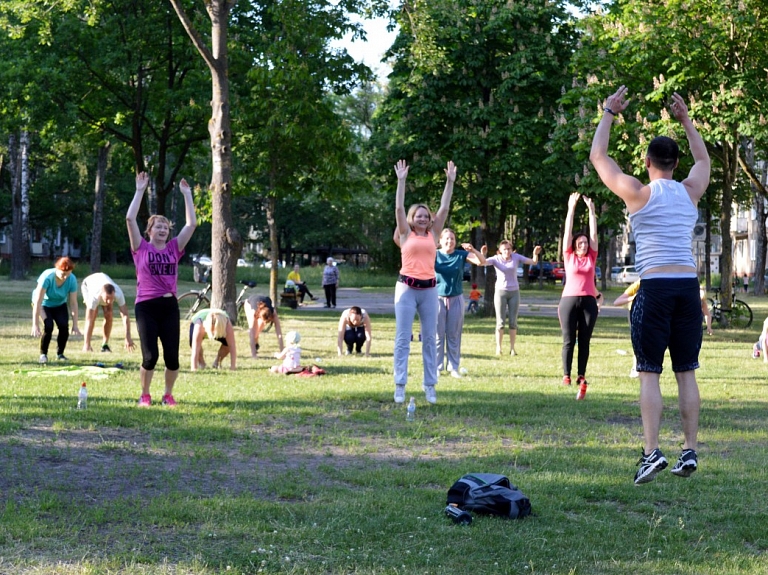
[108,464]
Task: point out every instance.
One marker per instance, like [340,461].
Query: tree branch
[197,40]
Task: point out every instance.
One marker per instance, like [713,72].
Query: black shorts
[666,314]
[221,340]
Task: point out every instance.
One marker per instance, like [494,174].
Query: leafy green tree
[291,144]
[477,82]
[712,53]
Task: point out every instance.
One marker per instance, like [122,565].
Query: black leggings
[355,336]
[159,318]
[304,291]
[578,315]
[330,295]
[60,316]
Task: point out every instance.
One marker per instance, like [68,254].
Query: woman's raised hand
[184,186]
[573,199]
[142,181]
[401,169]
[450,172]
[590,203]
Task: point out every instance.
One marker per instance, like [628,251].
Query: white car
[628,275]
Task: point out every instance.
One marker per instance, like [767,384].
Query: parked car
[558,272]
[467,271]
[521,271]
[628,275]
[615,271]
[545,268]
[598,273]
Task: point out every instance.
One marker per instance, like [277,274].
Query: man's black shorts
[666,313]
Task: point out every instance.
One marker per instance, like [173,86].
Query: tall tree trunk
[226,242]
[730,154]
[274,247]
[98,207]
[17,254]
[24,188]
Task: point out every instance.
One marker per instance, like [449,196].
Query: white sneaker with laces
[455,374]
[399,393]
[43,359]
[429,393]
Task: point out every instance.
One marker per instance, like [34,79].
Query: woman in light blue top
[506,298]
[449,269]
[55,287]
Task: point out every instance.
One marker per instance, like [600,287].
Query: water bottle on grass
[410,413]
[82,397]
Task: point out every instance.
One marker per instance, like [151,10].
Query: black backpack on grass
[491,494]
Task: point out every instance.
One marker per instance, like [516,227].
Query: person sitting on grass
[291,355]
[759,347]
[215,323]
[354,330]
[261,315]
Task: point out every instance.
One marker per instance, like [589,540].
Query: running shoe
[566,380]
[168,400]
[430,393]
[105,348]
[43,359]
[145,400]
[62,357]
[582,392]
[455,374]
[686,464]
[650,465]
[399,393]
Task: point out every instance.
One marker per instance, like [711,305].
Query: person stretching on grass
[666,312]
[99,290]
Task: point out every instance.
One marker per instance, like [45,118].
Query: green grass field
[262,473]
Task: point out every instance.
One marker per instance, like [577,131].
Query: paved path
[383,302]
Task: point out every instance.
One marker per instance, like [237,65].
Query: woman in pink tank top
[417,235]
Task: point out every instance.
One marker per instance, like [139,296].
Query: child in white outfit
[291,354]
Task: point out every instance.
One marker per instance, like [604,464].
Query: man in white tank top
[669,313]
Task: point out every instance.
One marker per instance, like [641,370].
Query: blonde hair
[216,324]
[448,230]
[412,213]
[154,219]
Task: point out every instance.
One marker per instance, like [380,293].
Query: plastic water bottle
[82,397]
[410,413]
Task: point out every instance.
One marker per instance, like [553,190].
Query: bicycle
[739,316]
[195,300]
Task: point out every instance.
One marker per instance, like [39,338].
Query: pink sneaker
[145,400]
[168,400]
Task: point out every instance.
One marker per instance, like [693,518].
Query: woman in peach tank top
[417,235]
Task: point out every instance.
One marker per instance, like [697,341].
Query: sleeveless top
[418,256]
[663,227]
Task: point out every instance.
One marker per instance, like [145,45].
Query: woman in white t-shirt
[506,298]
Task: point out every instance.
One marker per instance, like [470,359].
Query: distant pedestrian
[330,282]
[746,283]
[474,299]
[55,287]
